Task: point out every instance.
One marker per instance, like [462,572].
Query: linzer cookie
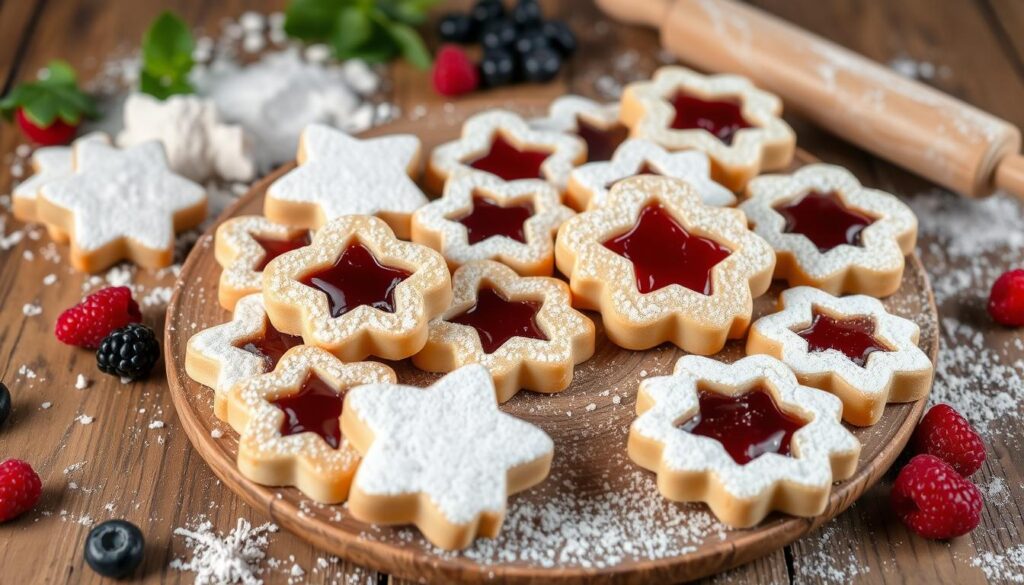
[357,290]
[341,175]
[50,163]
[244,246]
[481,217]
[444,458]
[830,232]
[289,422]
[589,184]
[503,144]
[745,438]
[596,123]
[661,266]
[738,125]
[523,330]
[849,346]
[121,204]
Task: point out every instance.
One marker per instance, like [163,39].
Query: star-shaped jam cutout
[489,218]
[356,278]
[273,247]
[498,319]
[854,337]
[723,118]
[663,252]
[508,161]
[315,408]
[824,220]
[601,142]
[269,346]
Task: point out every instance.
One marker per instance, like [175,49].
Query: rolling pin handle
[1010,175]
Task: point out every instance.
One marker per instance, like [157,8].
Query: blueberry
[529,40]
[485,11]
[5,403]
[114,548]
[497,68]
[560,36]
[541,64]
[456,28]
[498,34]
[527,13]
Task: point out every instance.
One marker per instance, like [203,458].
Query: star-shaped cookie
[243,246]
[444,458]
[596,123]
[50,164]
[341,175]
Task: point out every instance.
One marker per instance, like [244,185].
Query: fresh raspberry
[933,500]
[946,434]
[1006,301]
[88,322]
[454,73]
[20,489]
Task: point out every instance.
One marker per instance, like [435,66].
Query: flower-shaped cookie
[745,438]
[49,163]
[849,346]
[341,175]
[830,232]
[243,246]
[245,346]
[736,124]
[481,217]
[589,184]
[357,290]
[444,458]
[289,422]
[523,330]
[661,266]
[596,123]
[503,144]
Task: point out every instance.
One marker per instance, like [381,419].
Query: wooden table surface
[127,464]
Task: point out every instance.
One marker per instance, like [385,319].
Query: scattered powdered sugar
[818,563]
[32,309]
[1005,568]
[916,69]
[85,419]
[225,559]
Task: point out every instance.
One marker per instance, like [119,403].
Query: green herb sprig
[54,95]
[166,57]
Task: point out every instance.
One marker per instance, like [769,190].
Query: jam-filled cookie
[243,246]
[596,123]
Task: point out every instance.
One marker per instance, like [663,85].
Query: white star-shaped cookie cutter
[341,175]
[768,145]
[521,362]
[605,281]
[902,373]
[304,460]
[589,183]
[238,253]
[50,163]
[874,268]
[435,225]
[565,112]
[692,467]
[444,458]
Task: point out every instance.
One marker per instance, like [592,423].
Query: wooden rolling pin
[910,124]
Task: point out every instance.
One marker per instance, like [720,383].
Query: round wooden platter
[598,518]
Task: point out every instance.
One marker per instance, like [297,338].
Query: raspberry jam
[488,218]
[664,253]
[601,144]
[645,169]
[497,319]
[748,425]
[315,408]
[271,346]
[273,248]
[510,163]
[356,279]
[722,118]
[854,337]
[824,220]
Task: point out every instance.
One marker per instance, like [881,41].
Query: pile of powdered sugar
[225,559]
[1005,568]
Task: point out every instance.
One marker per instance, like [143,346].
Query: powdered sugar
[51,163]
[565,111]
[1007,567]
[229,559]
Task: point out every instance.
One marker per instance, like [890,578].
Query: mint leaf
[55,95]
[311,20]
[352,28]
[410,44]
[163,87]
[167,47]
[59,73]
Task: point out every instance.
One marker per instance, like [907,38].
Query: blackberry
[129,352]
[541,64]
[457,28]
[497,68]
[114,548]
[527,13]
[5,403]
[560,36]
[498,34]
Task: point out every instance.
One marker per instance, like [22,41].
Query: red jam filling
[271,346]
[488,218]
[601,143]
[356,279]
[315,408]
[497,319]
[510,163]
[722,118]
[854,337]
[274,248]
[664,253]
[748,425]
[824,220]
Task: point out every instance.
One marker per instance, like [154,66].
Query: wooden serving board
[598,518]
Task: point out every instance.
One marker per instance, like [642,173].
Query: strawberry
[934,501]
[454,73]
[88,322]
[49,110]
[20,489]
[1006,300]
[946,434]
[58,132]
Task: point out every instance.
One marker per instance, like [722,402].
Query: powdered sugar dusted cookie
[341,175]
[121,204]
[738,125]
[596,123]
[849,346]
[589,184]
[243,246]
[745,438]
[444,458]
[830,232]
[481,217]
[503,144]
[357,290]
[661,266]
[523,330]
[50,164]
[289,422]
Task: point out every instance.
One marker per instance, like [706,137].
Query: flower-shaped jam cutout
[244,246]
[830,232]
[661,266]
[357,290]
[745,438]
[849,346]
[597,124]
[523,330]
